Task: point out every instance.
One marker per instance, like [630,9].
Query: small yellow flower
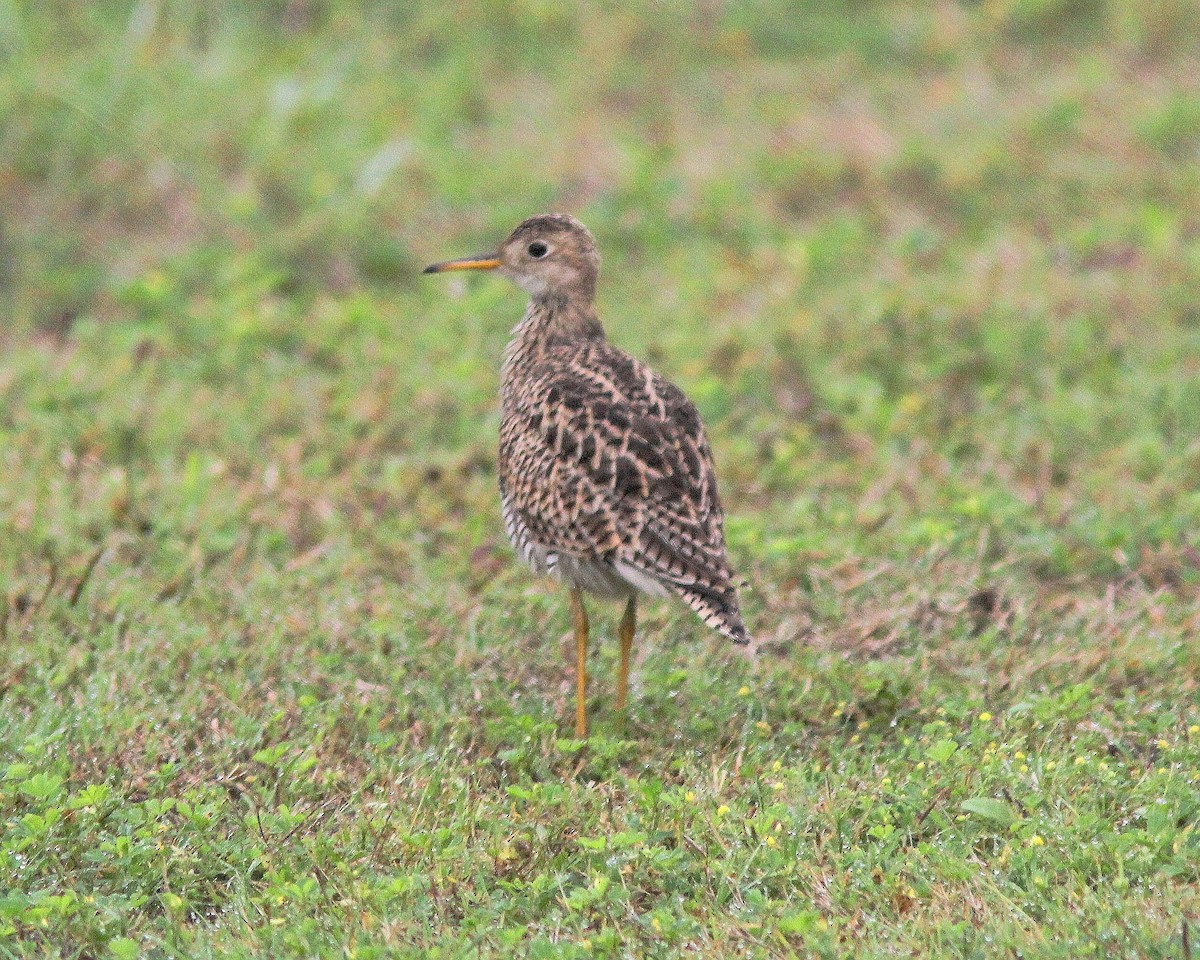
[777,786]
[862,724]
[1019,755]
[690,797]
[776,766]
[921,765]
[743,691]
[985,717]
[855,738]
[154,282]
[1024,768]
[886,782]
[1194,729]
[722,810]
[1080,761]
[1163,745]
[656,925]
[772,842]
[1051,764]
[1036,841]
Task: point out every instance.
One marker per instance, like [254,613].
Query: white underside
[616,580]
[640,580]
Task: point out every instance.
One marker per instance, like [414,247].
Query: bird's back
[604,465]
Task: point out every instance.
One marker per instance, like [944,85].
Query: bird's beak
[486,261]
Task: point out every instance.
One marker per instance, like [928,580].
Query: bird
[606,475]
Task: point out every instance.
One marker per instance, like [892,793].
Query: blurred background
[950,245]
[338,145]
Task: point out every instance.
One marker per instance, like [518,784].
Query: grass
[270,682]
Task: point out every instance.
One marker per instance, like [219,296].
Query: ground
[271,683]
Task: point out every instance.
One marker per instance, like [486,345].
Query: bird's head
[549,253]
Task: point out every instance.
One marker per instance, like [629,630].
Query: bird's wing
[624,472]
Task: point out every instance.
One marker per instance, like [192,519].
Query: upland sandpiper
[606,477]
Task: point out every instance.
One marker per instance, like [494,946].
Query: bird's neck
[551,318]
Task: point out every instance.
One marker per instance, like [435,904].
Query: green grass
[270,681]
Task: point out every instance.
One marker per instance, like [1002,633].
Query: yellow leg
[625,632]
[580,622]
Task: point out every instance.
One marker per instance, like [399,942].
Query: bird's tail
[719,611]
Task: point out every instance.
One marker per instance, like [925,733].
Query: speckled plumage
[606,476]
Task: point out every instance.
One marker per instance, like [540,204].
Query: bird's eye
[537,249]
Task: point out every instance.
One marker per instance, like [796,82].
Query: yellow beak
[482,262]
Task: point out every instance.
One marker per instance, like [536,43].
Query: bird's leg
[625,632]
[580,621]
